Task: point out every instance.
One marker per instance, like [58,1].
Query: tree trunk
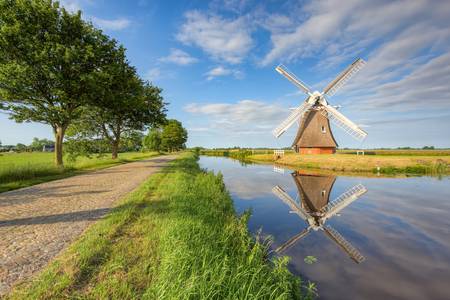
[115,149]
[59,137]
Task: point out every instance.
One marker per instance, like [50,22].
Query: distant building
[48,148]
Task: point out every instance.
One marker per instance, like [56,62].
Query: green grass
[386,164]
[19,170]
[175,237]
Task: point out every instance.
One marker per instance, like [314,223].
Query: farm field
[19,170]
[374,161]
[384,164]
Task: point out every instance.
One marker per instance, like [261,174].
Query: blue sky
[215,61]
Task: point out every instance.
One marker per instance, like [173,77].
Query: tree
[132,141]
[128,105]
[152,141]
[21,147]
[173,136]
[48,62]
[38,145]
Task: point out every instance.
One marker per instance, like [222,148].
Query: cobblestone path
[37,222]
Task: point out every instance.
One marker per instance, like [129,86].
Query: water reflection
[401,226]
[314,207]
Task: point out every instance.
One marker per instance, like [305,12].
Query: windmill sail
[292,241]
[293,117]
[292,78]
[344,244]
[343,77]
[280,193]
[343,200]
[343,122]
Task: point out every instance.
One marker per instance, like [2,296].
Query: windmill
[314,134]
[315,209]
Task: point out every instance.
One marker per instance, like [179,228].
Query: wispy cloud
[112,24]
[223,71]
[407,41]
[72,5]
[221,38]
[108,24]
[179,57]
[331,27]
[243,117]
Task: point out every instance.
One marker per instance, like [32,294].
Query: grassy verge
[19,170]
[384,164]
[176,237]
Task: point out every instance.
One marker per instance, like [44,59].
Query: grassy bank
[19,170]
[238,153]
[175,237]
[383,164]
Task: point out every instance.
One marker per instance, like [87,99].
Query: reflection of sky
[401,226]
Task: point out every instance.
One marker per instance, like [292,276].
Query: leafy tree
[81,141]
[21,147]
[128,105]
[49,59]
[132,141]
[173,136]
[131,105]
[38,145]
[152,141]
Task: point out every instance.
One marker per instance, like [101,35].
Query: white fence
[278,153]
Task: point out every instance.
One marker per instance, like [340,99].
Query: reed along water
[355,237]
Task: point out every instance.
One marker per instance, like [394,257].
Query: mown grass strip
[176,237]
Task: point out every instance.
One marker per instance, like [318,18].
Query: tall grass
[23,169]
[176,237]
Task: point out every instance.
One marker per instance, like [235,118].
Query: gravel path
[37,222]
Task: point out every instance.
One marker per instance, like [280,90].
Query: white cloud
[244,117]
[153,74]
[156,73]
[71,5]
[114,24]
[223,39]
[275,23]
[406,41]
[222,71]
[179,57]
[333,27]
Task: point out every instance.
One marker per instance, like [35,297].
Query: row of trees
[172,137]
[59,70]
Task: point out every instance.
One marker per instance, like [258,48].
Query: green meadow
[19,170]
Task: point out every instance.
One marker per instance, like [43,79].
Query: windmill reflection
[315,208]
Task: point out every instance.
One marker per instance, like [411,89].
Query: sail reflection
[315,208]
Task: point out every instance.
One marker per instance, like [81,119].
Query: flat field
[379,163]
[19,170]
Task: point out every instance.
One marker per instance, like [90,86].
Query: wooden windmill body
[314,135]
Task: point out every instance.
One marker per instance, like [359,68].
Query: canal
[354,237]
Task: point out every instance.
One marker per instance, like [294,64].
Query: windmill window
[324,193]
[323,129]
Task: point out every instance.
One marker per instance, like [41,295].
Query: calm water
[386,238]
